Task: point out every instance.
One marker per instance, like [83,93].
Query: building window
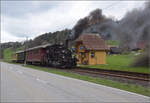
[92,54]
[81,47]
[74,49]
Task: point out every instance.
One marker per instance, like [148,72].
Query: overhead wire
[111,5]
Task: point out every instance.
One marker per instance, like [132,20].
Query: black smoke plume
[94,17]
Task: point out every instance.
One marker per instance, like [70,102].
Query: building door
[82,57]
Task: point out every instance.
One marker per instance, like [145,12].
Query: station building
[91,49]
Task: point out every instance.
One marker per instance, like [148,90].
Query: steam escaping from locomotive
[135,27]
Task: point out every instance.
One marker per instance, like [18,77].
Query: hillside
[55,37]
[6,46]
[8,54]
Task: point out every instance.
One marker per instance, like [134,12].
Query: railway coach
[14,57]
[36,54]
[19,56]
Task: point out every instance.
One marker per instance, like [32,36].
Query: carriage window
[92,54]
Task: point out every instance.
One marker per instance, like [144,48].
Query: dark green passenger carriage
[21,56]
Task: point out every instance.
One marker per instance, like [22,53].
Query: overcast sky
[21,19]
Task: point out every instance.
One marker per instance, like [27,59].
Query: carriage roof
[38,47]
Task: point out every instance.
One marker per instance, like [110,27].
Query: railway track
[114,73]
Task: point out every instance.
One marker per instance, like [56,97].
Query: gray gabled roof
[93,42]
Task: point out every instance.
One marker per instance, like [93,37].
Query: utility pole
[25,48]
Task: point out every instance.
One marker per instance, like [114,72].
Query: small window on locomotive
[92,54]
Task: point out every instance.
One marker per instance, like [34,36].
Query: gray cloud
[20,8]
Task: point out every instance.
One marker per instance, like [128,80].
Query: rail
[114,73]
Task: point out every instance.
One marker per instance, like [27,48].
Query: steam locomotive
[56,55]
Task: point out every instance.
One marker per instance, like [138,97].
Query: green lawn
[124,86]
[120,62]
[8,54]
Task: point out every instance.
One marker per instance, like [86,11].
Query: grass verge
[124,86]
